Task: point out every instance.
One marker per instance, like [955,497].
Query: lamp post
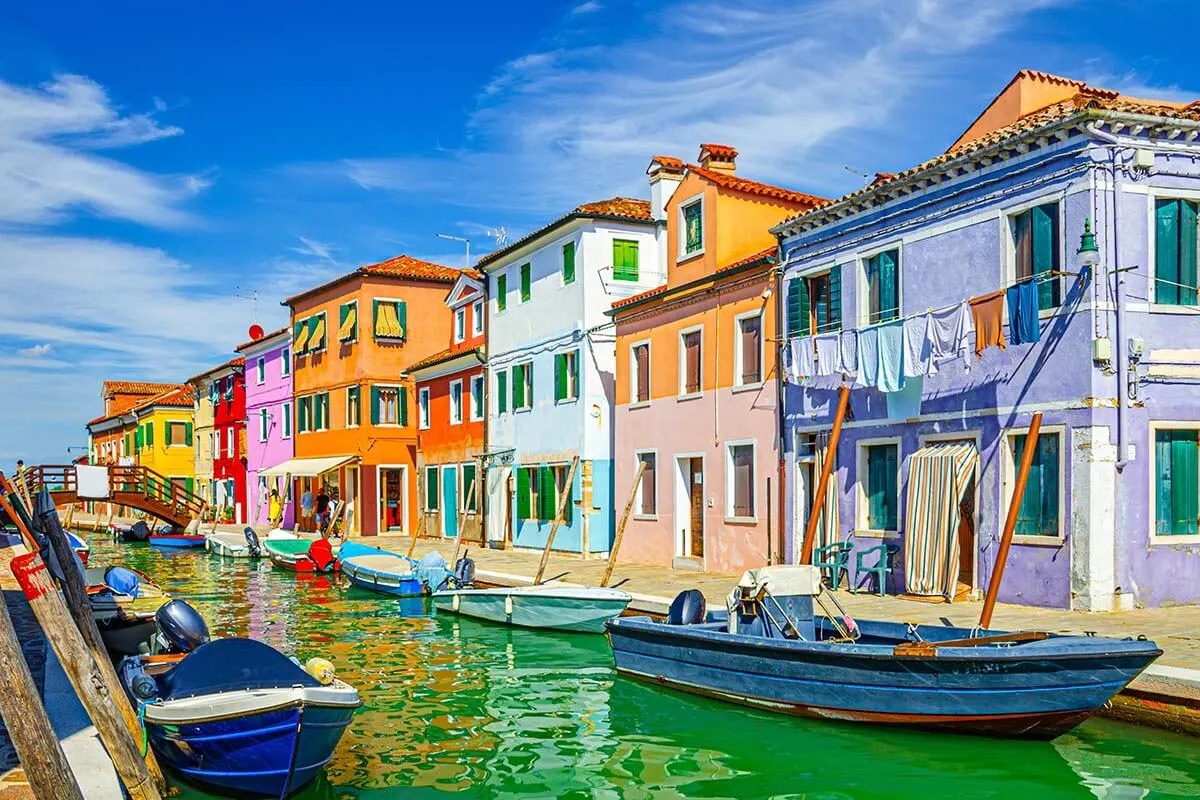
[1088,254]
[463,239]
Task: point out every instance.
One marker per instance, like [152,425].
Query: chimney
[718,156]
[666,173]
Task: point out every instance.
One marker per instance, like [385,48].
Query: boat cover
[123,581]
[431,570]
[321,553]
[781,581]
[230,665]
[938,478]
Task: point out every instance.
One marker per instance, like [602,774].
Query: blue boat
[236,715]
[769,649]
[184,540]
[380,570]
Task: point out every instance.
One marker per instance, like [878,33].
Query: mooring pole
[562,506]
[612,557]
[818,504]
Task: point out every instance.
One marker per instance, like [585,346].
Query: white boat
[238,545]
[556,606]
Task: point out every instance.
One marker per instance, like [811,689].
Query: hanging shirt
[950,336]
[802,359]
[849,353]
[918,350]
[1023,325]
[891,357]
[987,312]
[829,357]
[867,355]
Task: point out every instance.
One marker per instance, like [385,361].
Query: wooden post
[1010,523]
[412,546]
[814,514]
[462,515]
[612,557]
[85,676]
[558,515]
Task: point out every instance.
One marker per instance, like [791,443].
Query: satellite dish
[256,332]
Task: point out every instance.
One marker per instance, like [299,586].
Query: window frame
[861,497]
[260,370]
[264,428]
[463,487]
[562,273]
[683,254]
[285,431]
[527,377]
[502,291]
[738,366]
[571,375]
[167,438]
[456,384]
[357,321]
[324,318]
[863,284]
[638,514]
[729,515]
[525,275]
[634,401]
[682,393]
[322,399]
[357,390]
[424,415]
[231,442]
[403,337]
[460,324]
[1154,196]
[1164,539]
[1008,480]
[637,248]
[478,410]
[395,387]
[477,317]
[285,361]
[1008,239]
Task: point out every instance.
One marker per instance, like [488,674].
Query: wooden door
[966,540]
[696,494]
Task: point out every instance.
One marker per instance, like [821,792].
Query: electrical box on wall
[1102,349]
[1143,159]
[1136,347]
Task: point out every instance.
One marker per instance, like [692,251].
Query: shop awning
[306,467]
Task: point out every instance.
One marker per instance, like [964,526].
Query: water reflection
[457,706]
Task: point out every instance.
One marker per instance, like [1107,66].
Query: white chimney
[665,173]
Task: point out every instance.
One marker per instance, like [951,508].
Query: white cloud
[36,351]
[49,167]
[587,7]
[311,247]
[1138,85]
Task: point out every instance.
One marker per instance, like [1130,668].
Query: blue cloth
[123,581]
[431,570]
[891,357]
[1023,326]
[868,357]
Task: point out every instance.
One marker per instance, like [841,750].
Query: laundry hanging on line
[987,312]
[1023,308]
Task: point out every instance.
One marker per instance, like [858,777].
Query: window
[1175,252]
[229,443]
[309,334]
[647,493]
[1176,482]
[625,260]
[878,464]
[740,487]
[285,362]
[689,362]
[321,411]
[179,433]
[300,336]
[566,376]
[456,405]
[353,406]
[1039,513]
[501,292]
[423,407]
[287,420]
[260,370]
[264,424]
[229,384]
[391,319]
[691,227]
[1035,246]
[525,283]
[477,317]
[389,405]
[348,322]
[470,491]
[568,262]
[214,443]
[748,351]
[460,323]
[640,367]
[477,406]
[540,490]
[432,495]
[522,386]
[304,414]
[501,391]
[814,303]
[883,287]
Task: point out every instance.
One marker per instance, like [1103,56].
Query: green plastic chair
[835,558]
[881,567]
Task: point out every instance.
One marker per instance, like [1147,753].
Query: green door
[450,502]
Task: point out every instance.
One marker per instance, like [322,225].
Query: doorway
[391,498]
[450,502]
[968,523]
[689,506]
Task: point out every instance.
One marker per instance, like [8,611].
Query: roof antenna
[866,176]
[252,297]
[500,235]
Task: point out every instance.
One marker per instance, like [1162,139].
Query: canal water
[453,706]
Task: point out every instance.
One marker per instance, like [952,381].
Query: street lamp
[459,239]
[1088,254]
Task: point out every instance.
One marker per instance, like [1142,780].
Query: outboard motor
[181,629]
[688,608]
[464,573]
[321,553]
[140,531]
[252,543]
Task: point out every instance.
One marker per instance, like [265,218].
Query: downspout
[780,343]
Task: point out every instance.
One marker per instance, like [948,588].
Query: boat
[183,540]
[243,545]
[123,602]
[302,555]
[380,570]
[770,649]
[236,716]
[81,547]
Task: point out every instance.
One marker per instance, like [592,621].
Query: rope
[141,717]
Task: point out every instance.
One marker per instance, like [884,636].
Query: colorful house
[696,391]
[111,434]
[551,358]
[1097,337]
[451,411]
[269,437]
[353,338]
[162,435]
[221,458]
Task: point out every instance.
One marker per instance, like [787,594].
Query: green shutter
[569,491]
[1183,481]
[432,496]
[374,405]
[889,295]
[1175,252]
[523,493]
[560,377]
[525,282]
[301,422]
[137,439]
[798,313]
[374,317]
[319,411]
[835,298]
[189,484]
[402,405]
[545,498]
[1187,252]
[501,392]
[881,487]
[501,292]
[1038,512]
[625,260]
[402,317]
[128,444]
[150,432]
[568,262]
[187,433]
[518,386]
[1045,252]
[299,326]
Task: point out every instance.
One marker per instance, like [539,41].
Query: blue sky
[156,164]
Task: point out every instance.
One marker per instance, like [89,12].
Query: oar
[548,580]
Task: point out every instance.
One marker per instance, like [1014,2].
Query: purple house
[1101,335]
[268,422]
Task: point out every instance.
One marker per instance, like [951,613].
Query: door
[966,543]
[696,504]
[390,507]
[804,505]
[450,501]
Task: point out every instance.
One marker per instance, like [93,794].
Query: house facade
[353,338]
[269,433]
[696,390]
[221,392]
[1095,338]
[203,419]
[162,435]
[551,362]
[111,434]
[451,411]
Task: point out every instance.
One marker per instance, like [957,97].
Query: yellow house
[162,435]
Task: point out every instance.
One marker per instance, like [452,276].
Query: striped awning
[317,340]
[938,477]
[387,321]
[301,342]
[346,331]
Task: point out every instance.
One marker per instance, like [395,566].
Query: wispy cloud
[311,247]
[1136,84]
[587,7]
[36,351]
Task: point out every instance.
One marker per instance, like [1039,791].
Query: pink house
[268,421]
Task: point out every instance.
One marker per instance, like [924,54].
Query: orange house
[109,443]
[696,391]
[451,414]
[353,339]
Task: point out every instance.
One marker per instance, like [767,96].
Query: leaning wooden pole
[612,557]
[1010,524]
[462,516]
[558,515]
[814,513]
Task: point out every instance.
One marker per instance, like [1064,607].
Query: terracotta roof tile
[667,162]
[236,361]
[623,209]
[640,296]
[722,152]
[180,396]
[443,356]
[728,180]
[134,387]
[765,256]
[402,266]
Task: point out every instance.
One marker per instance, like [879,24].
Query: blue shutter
[1045,252]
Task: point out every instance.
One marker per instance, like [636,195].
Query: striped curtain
[827,527]
[938,477]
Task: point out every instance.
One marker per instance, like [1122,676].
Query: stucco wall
[271,395]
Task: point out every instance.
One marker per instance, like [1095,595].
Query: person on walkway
[323,511]
[21,471]
[306,508]
[275,509]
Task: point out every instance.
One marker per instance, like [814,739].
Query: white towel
[802,359]
[829,356]
[950,335]
[91,483]
[849,353]
[917,347]
[868,357]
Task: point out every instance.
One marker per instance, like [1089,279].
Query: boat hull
[292,555]
[379,570]
[397,587]
[1036,690]
[177,540]
[583,610]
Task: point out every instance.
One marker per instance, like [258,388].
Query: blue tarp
[431,570]
[123,581]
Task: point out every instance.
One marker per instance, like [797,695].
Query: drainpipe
[780,387]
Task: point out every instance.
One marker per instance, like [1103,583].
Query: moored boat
[555,606]
[182,540]
[769,649]
[81,547]
[302,555]
[379,570]
[243,545]
[123,602]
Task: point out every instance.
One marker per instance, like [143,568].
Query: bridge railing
[137,480]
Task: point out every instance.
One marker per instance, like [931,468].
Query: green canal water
[453,706]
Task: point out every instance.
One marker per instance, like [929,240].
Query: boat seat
[688,608]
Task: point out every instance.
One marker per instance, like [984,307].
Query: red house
[451,414]
[229,420]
